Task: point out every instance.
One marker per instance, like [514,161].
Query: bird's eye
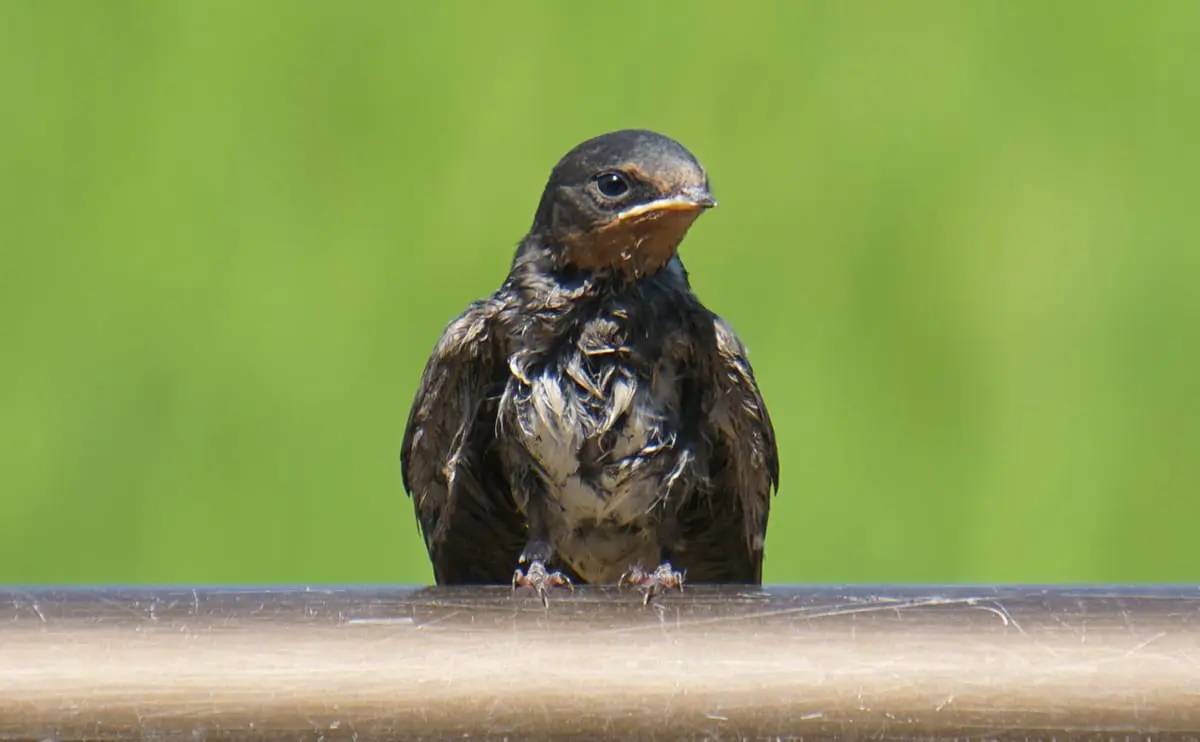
[612,185]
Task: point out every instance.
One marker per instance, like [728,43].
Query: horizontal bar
[824,662]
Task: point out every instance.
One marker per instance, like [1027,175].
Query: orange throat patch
[637,245]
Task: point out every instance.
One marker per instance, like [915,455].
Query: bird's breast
[599,430]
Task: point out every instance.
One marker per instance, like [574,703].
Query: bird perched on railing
[591,419]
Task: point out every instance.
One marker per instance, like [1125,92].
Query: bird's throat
[637,246]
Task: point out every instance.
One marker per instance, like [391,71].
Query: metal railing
[784,662]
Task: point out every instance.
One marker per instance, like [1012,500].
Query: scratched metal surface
[835,662]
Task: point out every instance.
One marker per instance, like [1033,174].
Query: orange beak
[688,199]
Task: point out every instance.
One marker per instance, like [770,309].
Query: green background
[960,240]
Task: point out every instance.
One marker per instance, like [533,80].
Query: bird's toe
[541,580]
[662,579]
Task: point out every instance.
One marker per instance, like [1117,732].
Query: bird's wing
[754,465]
[472,529]
[725,531]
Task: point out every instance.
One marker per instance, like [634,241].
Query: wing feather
[752,468]
[472,529]
[724,531]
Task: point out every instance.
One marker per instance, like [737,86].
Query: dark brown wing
[472,529]
[724,532]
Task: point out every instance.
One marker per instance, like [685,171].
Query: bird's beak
[701,197]
[692,198]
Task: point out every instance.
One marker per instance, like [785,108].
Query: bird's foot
[541,580]
[662,579]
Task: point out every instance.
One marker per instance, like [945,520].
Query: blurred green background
[959,238]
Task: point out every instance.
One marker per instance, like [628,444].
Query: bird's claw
[541,580]
[663,578]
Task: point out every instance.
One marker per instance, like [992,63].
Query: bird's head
[621,202]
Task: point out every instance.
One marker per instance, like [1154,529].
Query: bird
[591,420]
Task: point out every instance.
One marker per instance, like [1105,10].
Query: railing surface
[784,662]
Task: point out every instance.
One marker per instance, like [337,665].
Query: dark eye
[612,185]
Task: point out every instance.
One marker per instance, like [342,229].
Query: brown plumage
[592,415]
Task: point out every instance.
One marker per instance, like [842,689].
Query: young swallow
[592,420]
